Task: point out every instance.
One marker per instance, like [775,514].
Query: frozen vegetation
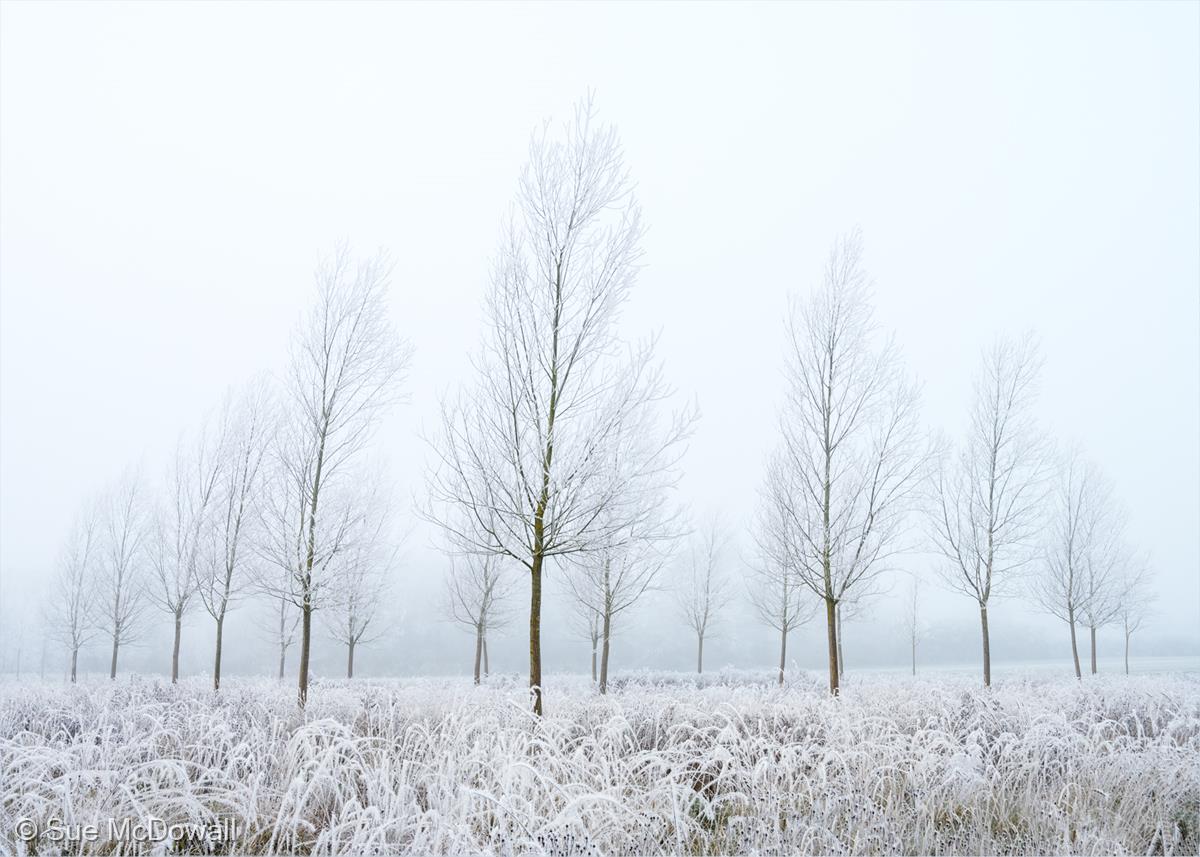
[663,764]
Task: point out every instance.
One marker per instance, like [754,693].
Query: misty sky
[170,174]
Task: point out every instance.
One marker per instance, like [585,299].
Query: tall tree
[703,590]
[477,594]
[177,528]
[852,453]
[121,585]
[988,499]
[913,629]
[526,459]
[1136,599]
[247,424]
[1075,541]
[71,610]
[346,367]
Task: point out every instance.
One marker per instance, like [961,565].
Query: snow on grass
[664,764]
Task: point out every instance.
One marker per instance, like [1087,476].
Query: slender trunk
[699,653]
[175,648]
[595,643]
[831,625]
[478,651]
[282,658]
[112,670]
[1126,653]
[782,654]
[987,646]
[914,655]
[1092,629]
[604,652]
[350,660]
[1074,645]
[535,633]
[75,660]
[841,653]
[217,657]
[305,640]
[487,670]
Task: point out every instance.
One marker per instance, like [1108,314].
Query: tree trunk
[782,654]
[987,646]
[75,660]
[350,660]
[1126,653]
[487,670]
[175,648]
[914,655]
[282,658]
[699,654]
[112,670]
[217,657]
[478,651]
[1092,629]
[535,633]
[1074,647]
[305,640]
[595,642]
[831,624]
[604,653]
[840,651]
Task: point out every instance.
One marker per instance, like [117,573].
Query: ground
[663,764]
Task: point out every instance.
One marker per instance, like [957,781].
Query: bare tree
[588,624]
[987,499]
[1103,567]
[178,526]
[477,593]
[913,628]
[346,367]
[778,594]
[70,612]
[1136,599]
[1075,544]
[611,580]
[247,423]
[704,589]
[852,454]
[121,588]
[524,464]
[288,621]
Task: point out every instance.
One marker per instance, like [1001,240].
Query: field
[664,764]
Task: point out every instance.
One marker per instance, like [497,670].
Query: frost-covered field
[659,766]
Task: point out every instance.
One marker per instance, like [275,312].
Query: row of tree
[563,451]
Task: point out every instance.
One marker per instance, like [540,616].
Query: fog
[170,176]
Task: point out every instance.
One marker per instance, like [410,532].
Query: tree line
[564,450]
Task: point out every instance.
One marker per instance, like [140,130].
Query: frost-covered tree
[179,524]
[346,366]
[120,589]
[1136,599]
[913,628]
[853,454]
[988,497]
[1076,546]
[523,465]
[703,589]
[478,589]
[70,613]
[246,428]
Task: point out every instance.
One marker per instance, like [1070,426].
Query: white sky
[169,174]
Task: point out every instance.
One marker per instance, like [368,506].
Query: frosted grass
[664,764]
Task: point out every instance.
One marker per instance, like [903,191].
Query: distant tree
[989,498]
[178,525]
[524,464]
[912,619]
[478,589]
[121,582]
[246,426]
[1136,599]
[703,589]
[288,621]
[588,624]
[780,597]
[1076,542]
[71,610]
[852,455]
[346,367]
